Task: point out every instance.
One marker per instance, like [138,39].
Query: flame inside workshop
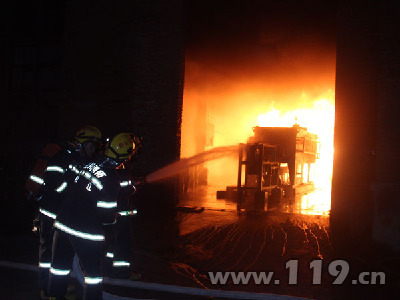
[267,74]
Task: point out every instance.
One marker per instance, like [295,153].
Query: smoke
[184,164]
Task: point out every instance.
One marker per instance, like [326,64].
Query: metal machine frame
[277,163]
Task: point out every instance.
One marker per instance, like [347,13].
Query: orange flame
[317,115]
[219,112]
[318,119]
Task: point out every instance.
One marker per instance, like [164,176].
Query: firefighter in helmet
[119,236]
[54,185]
[90,204]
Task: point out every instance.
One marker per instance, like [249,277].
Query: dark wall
[30,57]
[123,71]
[365,208]
[386,227]
[31,35]
[117,65]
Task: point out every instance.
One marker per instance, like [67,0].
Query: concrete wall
[386,226]
[365,206]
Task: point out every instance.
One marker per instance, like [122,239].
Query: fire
[317,115]
[231,113]
[222,104]
[318,119]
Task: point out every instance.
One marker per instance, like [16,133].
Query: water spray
[184,164]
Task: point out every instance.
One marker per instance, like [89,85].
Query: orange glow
[319,118]
[222,103]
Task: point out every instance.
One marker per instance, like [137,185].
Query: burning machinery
[277,162]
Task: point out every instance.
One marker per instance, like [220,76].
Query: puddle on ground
[222,211]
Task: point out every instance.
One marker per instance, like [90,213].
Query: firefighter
[91,204]
[119,235]
[35,181]
[55,183]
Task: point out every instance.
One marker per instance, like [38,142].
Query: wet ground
[240,242]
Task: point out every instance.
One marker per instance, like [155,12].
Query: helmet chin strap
[121,166]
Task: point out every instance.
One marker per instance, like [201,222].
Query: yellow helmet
[88,133]
[121,147]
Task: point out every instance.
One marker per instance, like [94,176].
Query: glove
[36,226]
[138,183]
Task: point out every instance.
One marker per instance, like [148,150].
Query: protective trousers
[46,231]
[122,248]
[90,254]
